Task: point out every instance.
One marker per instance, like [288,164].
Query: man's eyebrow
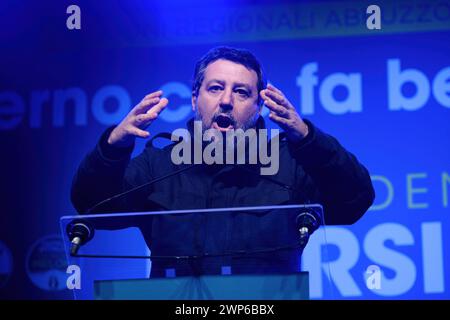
[215,80]
[235,84]
[245,85]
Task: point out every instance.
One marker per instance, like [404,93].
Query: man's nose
[226,100]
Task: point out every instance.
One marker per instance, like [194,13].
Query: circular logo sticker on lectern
[46,263]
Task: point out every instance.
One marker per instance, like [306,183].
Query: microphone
[79,232]
[307,222]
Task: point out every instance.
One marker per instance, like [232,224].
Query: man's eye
[214,88]
[242,92]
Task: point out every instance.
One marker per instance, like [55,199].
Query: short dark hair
[240,56]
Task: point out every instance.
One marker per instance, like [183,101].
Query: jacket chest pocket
[170,201]
[264,197]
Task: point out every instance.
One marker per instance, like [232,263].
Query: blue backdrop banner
[385,94]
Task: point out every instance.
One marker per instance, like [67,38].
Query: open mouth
[223,121]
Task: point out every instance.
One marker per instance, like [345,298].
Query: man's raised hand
[284,113]
[137,120]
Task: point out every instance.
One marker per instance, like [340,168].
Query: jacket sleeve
[344,186]
[107,171]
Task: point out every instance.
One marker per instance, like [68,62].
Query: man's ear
[193,101]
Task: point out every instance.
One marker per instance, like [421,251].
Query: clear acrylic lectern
[227,253]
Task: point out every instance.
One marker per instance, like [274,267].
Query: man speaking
[228,93]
